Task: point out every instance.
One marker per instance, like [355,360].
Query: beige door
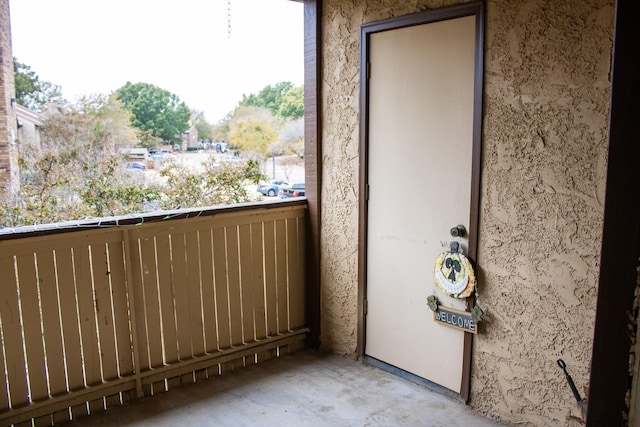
[420,137]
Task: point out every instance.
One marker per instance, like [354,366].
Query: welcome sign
[455,319]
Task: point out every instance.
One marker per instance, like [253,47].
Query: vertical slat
[208,297]
[232,283]
[221,288]
[173,383]
[118,277]
[178,257]
[4,395]
[201,375]
[51,322]
[258,290]
[86,309]
[129,248]
[294,263]
[151,301]
[137,291]
[61,416]
[113,400]
[44,421]
[246,283]
[233,275]
[32,330]
[79,411]
[281,275]
[193,292]
[158,387]
[12,334]
[69,317]
[270,284]
[96,405]
[103,306]
[302,270]
[163,253]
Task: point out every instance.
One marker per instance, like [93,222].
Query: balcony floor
[306,388]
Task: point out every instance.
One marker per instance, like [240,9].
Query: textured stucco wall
[546,99]
[545,141]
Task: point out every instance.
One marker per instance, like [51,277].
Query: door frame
[475,8]
[620,250]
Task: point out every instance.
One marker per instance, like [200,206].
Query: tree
[253,129]
[32,92]
[94,124]
[78,171]
[292,105]
[220,130]
[274,97]
[204,128]
[159,114]
[291,138]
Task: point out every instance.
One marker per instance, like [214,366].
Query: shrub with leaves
[77,171]
[218,183]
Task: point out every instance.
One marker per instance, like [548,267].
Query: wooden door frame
[313,162]
[610,378]
[475,8]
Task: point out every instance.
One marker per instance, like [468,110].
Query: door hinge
[365,306]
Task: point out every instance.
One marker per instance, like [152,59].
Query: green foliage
[43,191]
[221,183]
[31,92]
[104,196]
[292,105]
[253,129]
[282,100]
[78,170]
[96,123]
[158,113]
[204,128]
[229,180]
[267,122]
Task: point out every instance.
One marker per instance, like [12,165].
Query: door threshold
[430,385]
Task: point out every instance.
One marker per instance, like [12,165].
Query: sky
[95,46]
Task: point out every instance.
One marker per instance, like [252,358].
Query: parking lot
[288,168]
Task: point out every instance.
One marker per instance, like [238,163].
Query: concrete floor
[307,388]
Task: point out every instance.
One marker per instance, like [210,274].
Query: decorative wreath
[454,274]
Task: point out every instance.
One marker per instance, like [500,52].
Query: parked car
[136,165]
[294,190]
[271,189]
[222,147]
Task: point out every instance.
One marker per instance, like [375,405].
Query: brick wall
[8,127]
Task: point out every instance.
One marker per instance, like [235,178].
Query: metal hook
[572,385]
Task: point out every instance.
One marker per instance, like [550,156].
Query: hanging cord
[229,19]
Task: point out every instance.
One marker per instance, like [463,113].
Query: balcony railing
[100,313]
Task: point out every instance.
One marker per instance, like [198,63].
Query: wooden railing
[96,315]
